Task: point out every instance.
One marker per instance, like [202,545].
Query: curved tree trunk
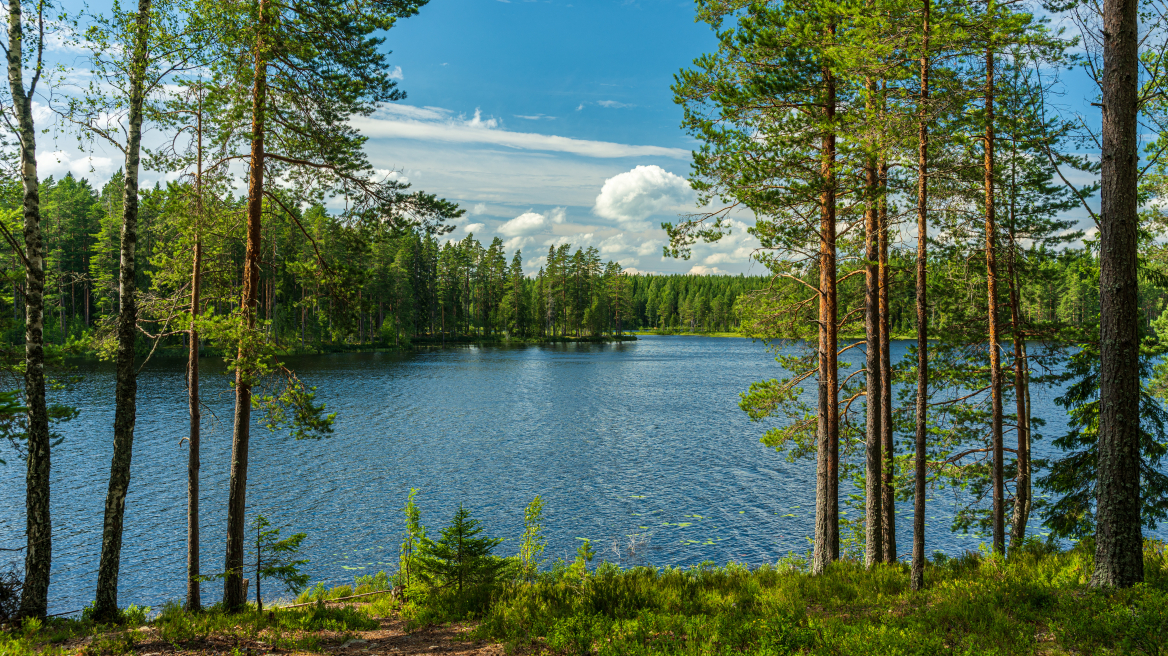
[1118,541]
[34,595]
[106,603]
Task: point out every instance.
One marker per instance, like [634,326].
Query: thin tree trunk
[1119,543]
[874,546]
[887,460]
[1022,492]
[125,411]
[34,595]
[194,593]
[991,236]
[918,549]
[233,592]
[827,470]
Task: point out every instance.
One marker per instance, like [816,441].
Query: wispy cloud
[436,124]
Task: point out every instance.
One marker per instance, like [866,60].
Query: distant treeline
[326,283]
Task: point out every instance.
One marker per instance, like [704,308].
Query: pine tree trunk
[194,592]
[887,460]
[233,592]
[1118,540]
[918,548]
[874,551]
[106,604]
[827,470]
[34,595]
[999,493]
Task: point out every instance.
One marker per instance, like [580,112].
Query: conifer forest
[954,284]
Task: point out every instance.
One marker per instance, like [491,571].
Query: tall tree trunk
[194,593]
[874,530]
[1119,543]
[827,470]
[991,245]
[106,604]
[34,595]
[887,460]
[1022,492]
[918,547]
[233,592]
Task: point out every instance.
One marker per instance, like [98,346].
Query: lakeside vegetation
[846,130]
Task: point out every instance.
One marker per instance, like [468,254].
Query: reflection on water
[636,444]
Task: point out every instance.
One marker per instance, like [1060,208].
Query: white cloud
[524,224]
[516,243]
[701,270]
[632,197]
[436,124]
[558,214]
[60,162]
[478,122]
[474,227]
[739,255]
[479,208]
[396,73]
[535,117]
[612,104]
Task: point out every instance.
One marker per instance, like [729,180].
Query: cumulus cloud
[633,196]
[558,215]
[515,243]
[479,208]
[702,270]
[524,224]
[738,255]
[474,227]
[396,73]
[60,162]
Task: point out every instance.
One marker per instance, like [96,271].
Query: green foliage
[459,571]
[460,559]
[414,541]
[533,542]
[1072,477]
[275,558]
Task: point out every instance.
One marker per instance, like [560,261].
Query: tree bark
[34,596]
[827,469]
[1118,539]
[233,592]
[887,460]
[125,396]
[995,353]
[917,580]
[1022,492]
[194,592]
[873,543]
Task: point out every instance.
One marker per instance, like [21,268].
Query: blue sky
[524,111]
[549,121]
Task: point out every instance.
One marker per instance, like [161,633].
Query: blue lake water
[639,439]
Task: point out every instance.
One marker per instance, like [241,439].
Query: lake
[638,446]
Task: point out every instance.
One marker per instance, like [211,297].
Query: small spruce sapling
[460,558]
[275,558]
[534,540]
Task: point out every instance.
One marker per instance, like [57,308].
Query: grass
[1036,602]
